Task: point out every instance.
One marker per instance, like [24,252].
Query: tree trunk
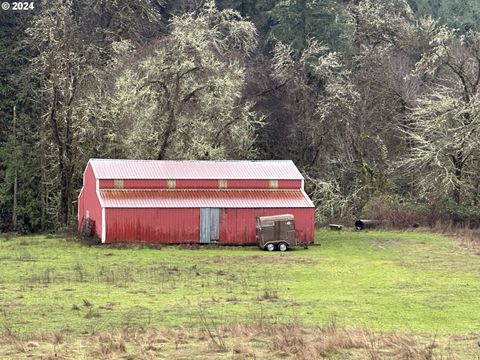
[171,122]
[15,178]
[458,165]
[64,188]
[457,189]
[43,187]
[63,207]
[167,135]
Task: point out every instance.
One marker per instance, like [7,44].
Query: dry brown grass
[243,351]
[300,342]
[235,341]
[17,345]
[268,295]
[109,344]
[468,238]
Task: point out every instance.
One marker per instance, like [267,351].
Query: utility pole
[15,178]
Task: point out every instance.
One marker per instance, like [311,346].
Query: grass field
[59,297]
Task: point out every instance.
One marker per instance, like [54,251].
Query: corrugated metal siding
[107,184]
[88,200]
[144,169]
[289,184]
[263,184]
[134,184]
[204,199]
[153,225]
[199,184]
[237,226]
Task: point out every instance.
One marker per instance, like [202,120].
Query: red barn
[190,201]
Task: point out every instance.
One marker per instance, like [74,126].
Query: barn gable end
[89,205]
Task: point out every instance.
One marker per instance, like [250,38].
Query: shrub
[396,212]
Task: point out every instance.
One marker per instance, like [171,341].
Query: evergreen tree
[463,15]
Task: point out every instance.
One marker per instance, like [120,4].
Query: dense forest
[376,101]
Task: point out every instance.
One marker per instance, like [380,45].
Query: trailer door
[209,225]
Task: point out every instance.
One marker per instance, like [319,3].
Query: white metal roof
[172,169]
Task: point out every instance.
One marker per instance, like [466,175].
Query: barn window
[118,184]
[171,184]
[273,184]
[222,184]
[268,223]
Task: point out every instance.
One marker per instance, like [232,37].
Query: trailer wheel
[282,246]
[270,247]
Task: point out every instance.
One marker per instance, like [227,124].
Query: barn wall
[289,184]
[183,225]
[153,225]
[88,200]
[198,184]
[238,225]
[135,184]
[263,184]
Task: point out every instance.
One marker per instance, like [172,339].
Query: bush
[396,212]
[458,215]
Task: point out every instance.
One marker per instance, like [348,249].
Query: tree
[444,125]
[18,164]
[182,98]
[387,44]
[294,22]
[319,120]
[463,15]
[383,24]
[72,40]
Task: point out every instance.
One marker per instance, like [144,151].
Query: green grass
[384,281]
